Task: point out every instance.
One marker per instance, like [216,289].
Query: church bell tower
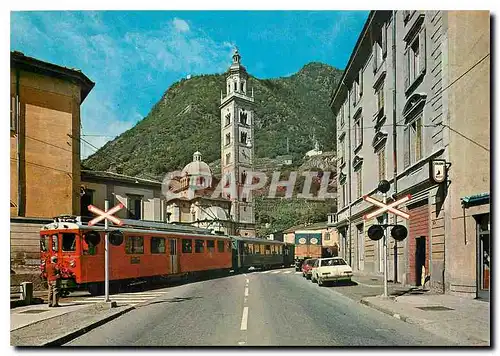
[237,144]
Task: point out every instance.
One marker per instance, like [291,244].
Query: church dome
[198,168]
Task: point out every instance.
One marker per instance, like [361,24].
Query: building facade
[45,137]
[194,202]
[141,197]
[237,145]
[401,109]
[44,149]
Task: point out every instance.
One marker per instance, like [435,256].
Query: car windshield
[311,262]
[333,262]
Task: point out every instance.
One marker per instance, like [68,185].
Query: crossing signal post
[379,231]
[116,236]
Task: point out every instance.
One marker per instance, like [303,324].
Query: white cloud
[180,25]
[115,63]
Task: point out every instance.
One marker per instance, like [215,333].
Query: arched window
[235,86]
[241,86]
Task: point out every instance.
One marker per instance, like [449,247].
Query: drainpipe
[20,148]
[394,136]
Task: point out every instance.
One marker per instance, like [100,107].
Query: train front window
[55,243]
[43,244]
[68,242]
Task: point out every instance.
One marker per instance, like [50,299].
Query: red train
[144,250]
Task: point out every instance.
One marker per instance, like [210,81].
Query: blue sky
[134,56]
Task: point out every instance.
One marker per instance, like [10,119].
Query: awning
[473,200]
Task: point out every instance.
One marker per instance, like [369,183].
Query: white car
[330,270]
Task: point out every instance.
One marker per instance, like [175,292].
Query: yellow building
[44,148]
[45,137]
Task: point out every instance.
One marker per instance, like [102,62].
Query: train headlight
[72,263]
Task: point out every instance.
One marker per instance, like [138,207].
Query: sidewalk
[464,321]
[38,325]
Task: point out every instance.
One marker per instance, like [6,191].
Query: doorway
[174,264]
[483,256]
[419,259]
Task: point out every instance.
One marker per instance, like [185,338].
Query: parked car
[307,267]
[299,262]
[330,270]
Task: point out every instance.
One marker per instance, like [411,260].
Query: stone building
[413,80]
[44,148]
[194,202]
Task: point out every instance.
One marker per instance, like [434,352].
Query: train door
[174,262]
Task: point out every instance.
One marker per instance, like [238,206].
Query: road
[271,308]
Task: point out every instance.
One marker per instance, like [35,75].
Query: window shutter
[406,147]
[422,51]
[12,113]
[375,64]
[406,69]
[361,82]
[384,40]
[418,140]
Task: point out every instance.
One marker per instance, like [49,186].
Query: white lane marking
[247,280]
[244,319]
[265,272]
[246,292]
[298,272]
[274,272]
[287,272]
[241,342]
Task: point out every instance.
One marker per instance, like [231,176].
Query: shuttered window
[413,141]
[415,58]
[358,131]
[359,182]
[381,164]
[384,40]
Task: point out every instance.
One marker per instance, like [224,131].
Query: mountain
[186,119]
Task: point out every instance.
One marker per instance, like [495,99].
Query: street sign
[108,215]
[387,207]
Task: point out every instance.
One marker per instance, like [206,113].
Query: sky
[135,56]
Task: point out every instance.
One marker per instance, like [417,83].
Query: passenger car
[330,270]
[307,267]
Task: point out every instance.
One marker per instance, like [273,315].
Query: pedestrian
[53,276]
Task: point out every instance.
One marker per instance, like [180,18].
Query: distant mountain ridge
[186,119]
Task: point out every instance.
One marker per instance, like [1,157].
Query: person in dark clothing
[53,276]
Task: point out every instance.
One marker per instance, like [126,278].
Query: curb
[60,340]
[386,311]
